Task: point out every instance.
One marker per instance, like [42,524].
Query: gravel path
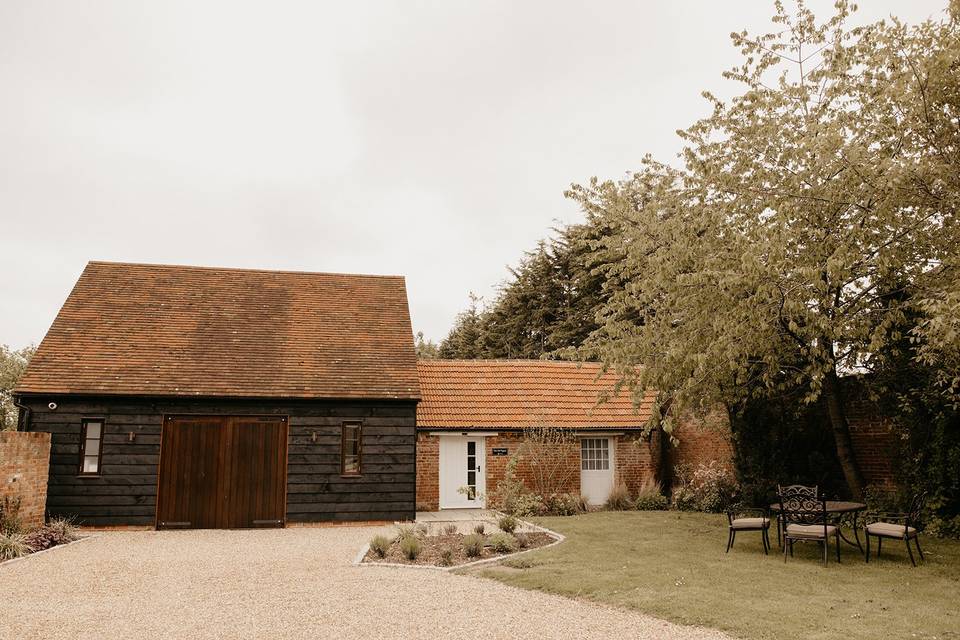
[292,583]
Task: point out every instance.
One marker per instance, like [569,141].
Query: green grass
[672,565]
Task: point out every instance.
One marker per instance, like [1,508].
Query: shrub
[619,498]
[41,539]
[405,531]
[10,516]
[513,497]
[503,542]
[13,545]
[450,529]
[380,545]
[507,524]
[446,557]
[473,545]
[522,541]
[411,547]
[422,530]
[479,528]
[564,504]
[63,529]
[710,487]
[651,498]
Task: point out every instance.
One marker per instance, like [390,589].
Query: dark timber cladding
[222,394]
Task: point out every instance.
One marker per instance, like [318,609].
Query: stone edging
[7,563]
[557,539]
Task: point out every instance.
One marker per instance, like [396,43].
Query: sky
[432,140]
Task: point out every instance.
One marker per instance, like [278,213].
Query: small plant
[380,545]
[422,530]
[13,545]
[10,516]
[519,563]
[411,547]
[651,498]
[564,504]
[479,529]
[446,557]
[503,542]
[42,538]
[63,528]
[450,529]
[619,498]
[710,487]
[507,524]
[473,545]
[405,531]
[522,541]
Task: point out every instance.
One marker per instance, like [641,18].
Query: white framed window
[595,454]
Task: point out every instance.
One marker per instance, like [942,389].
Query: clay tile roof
[136,329]
[522,393]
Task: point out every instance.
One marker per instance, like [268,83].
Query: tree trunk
[841,435]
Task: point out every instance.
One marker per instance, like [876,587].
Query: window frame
[344,426]
[594,459]
[85,422]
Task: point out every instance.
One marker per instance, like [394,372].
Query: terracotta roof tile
[137,329]
[461,394]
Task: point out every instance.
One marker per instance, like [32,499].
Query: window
[350,449]
[91,448]
[594,454]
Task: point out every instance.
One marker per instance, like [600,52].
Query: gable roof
[137,329]
[523,393]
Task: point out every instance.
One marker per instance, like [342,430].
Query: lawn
[672,565]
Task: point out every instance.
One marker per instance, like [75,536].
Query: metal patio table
[838,508]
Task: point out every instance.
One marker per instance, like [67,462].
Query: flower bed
[452,549]
[15,542]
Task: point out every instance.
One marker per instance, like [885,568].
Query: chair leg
[779,540]
[791,548]
[837,541]
[785,544]
[916,541]
[868,548]
[906,539]
[879,546]
[766,541]
[826,543]
[729,540]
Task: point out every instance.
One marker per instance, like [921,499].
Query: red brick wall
[428,472]
[24,462]
[636,460]
[703,438]
[875,442]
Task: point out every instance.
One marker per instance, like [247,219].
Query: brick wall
[636,460]
[875,442]
[428,472]
[703,438]
[24,462]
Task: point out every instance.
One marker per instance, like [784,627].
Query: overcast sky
[431,140]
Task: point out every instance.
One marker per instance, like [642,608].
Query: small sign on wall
[498,451]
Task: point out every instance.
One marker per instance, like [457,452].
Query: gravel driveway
[288,583]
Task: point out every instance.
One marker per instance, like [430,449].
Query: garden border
[7,563]
[557,539]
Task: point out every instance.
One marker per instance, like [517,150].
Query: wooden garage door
[222,472]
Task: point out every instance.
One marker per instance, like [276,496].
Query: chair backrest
[802,505]
[915,510]
[813,491]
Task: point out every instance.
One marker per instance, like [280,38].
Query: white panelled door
[462,466]
[596,469]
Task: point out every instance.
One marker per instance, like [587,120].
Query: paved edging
[557,539]
[7,563]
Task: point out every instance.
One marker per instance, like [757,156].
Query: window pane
[92,448]
[351,464]
[93,430]
[90,464]
[471,448]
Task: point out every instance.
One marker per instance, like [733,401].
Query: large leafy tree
[12,365]
[811,214]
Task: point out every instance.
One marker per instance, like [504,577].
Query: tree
[425,349]
[465,340]
[766,262]
[12,366]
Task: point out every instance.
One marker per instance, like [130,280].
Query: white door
[462,478]
[596,469]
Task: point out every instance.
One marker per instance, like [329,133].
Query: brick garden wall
[428,472]
[703,438]
[876,445]
[24,463]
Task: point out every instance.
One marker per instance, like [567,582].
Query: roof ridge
[113,263]
[509,360]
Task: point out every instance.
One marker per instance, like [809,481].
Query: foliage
[12,365]
[465,340]
[425,349]
[405,531]
[479,528]
[507,524]
[10,521]
[473,545]
[410,547]
[546,452]
[380,544]
[619,498]
[564,504]
[446,557]
[651,498]
[450,529]
[708,487]
[503,542]
[13,545]
[63,529]
[512,496]
[42,538]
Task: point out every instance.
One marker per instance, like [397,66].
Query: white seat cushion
[750,523]
[890,530]
[809,530]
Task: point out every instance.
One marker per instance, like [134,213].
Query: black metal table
[838,508]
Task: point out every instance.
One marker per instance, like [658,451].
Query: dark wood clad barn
[206,397]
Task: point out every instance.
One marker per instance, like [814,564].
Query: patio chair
[805,519]
[812,492]
[898,526]
[747,519]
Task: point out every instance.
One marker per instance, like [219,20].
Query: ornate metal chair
[898,526]
[747,519]
[812,492]
[805,519]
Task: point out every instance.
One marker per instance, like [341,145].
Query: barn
[195,397]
